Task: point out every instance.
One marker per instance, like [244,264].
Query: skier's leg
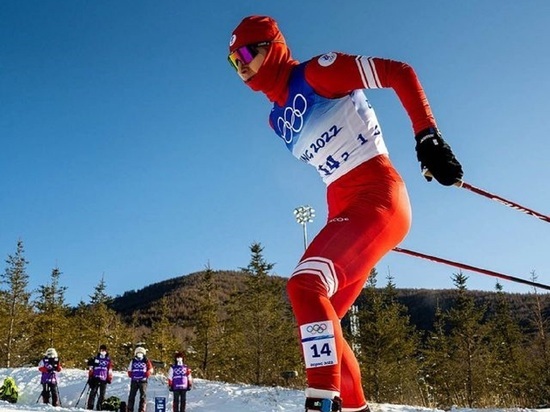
[183,401]
[45,393]
[381,234]
[101,398]
[142,396]
[372,218]
[345,373]
[176,403]
[132,396]
[326,283]
[351,388]
[91,396]
[320,331]
[55,394]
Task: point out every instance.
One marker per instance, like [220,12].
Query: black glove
[170,389]
[437,158]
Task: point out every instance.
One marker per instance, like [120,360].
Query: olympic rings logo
[292,120]
[317,328]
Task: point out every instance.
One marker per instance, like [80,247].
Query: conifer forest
[464,348]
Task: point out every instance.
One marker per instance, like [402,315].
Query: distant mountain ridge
[181,294]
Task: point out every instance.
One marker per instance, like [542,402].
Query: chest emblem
[292,119]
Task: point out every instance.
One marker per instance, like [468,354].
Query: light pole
[303,215]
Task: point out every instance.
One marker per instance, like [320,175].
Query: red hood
[272,77]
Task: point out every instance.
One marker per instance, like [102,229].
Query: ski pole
[41,394]
[58,395]
[494,197]
[504,201]
[81,393]
[471,268]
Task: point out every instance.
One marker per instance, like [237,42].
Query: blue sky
[131,150]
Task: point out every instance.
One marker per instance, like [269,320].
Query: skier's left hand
[436,158]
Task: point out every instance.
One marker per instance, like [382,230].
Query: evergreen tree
[52,326]
[231,365]
[436,369]
[469,350]
[388,346]
[16,309]
[208,329]
[539,351]
[96,323]
[119,345]
[101,317]
[161,340]
[509,369]
[263,332]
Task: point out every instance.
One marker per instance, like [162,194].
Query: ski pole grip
[427,174]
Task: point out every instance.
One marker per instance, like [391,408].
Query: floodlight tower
[304,215]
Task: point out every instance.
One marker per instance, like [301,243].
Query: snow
[206,395]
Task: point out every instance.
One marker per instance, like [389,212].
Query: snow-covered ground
[206,396]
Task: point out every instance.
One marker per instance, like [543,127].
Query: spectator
[139,370]
[179,382]
[49,365]
[99,375]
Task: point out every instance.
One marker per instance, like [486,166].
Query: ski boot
[322,400]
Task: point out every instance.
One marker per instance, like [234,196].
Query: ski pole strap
[471,268]
[504,201]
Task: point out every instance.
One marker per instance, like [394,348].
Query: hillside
[181,293]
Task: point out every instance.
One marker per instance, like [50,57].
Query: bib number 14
[324,351]
[318,344]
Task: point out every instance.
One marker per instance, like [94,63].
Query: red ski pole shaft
[505,202]
[471,268]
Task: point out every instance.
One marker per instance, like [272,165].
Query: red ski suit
[368,215]
[368,206]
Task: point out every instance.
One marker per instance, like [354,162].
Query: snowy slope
[206,396]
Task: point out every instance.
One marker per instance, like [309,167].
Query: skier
[100,374]
[139,370]
[179,382]
[49,365]
[322,115]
